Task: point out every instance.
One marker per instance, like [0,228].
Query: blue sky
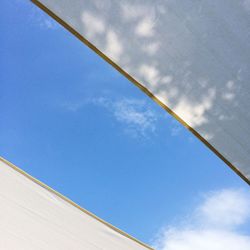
[72,121]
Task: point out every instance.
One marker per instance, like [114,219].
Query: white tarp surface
[193,56]
[33,217]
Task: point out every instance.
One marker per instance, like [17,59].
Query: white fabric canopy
[33,216]
[192,57]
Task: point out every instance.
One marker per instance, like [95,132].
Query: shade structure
[191,57]
[33,216]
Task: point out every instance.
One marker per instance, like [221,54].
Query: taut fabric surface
[33,217]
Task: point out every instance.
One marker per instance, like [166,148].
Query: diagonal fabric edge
[140,86]
[41,184]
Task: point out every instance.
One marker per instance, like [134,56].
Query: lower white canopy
[34,216]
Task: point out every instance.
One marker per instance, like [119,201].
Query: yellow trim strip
[140,86]
[71,202]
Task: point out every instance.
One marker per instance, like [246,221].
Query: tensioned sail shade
[33,216]
[192,57]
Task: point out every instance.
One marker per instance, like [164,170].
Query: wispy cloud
[73,106]
[42,20]
[175,128]
[137,117]
[216,224]
[36,16]
[246,4]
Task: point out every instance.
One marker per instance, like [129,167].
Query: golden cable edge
[41,184]
[139,85]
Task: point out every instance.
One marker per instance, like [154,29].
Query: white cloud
[94,25]
[194,114]
[176,128]
[42,20]
[215,225]
[36,16]
[228,208]
[139,119]
[114,47]
[205,240]
[229,91]
[131,11]
[151,48]
[46,23]
[145,27]
[73,106]
[246,4]
[150,74]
